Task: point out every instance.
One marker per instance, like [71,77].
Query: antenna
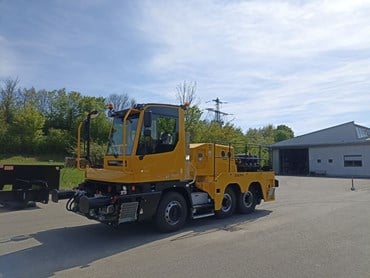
[217,111]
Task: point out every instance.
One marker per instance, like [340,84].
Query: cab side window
[162,136]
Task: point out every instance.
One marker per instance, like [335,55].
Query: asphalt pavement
[317,227]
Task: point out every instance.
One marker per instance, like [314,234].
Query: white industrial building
[342,150]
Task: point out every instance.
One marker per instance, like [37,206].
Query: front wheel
[172,212]
[228,204]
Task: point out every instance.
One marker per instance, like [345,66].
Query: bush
[97,153]
[56,141]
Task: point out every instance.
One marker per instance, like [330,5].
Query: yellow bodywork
[210,167]
[134,168]
[215,169]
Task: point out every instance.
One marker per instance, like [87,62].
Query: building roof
[347,133]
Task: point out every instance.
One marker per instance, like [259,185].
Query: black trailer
[29,184]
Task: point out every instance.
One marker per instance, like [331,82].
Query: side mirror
[147,119]
[86,124]
[86,130]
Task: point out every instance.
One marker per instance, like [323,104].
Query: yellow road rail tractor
[151,172]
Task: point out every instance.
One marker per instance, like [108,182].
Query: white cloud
[301,63]
[305,63]
[208,31]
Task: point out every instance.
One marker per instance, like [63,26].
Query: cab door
[160,154]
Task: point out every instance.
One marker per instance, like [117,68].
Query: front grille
[128,212]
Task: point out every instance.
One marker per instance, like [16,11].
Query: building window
[330,160]
[319,161]
[362,132]
[353,160]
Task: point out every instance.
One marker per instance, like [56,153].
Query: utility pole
[217,111]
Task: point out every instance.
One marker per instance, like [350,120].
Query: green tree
[28,97]
[121,101]
[9,92]
[213,132]
[283,132]
[66,110]
[27,129]
[100,128]
[3,134]
[268,134]
[56,141]
[254,136]
[258,140]
[192,122]
[186,94]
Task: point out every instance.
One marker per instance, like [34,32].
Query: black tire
[171,213]
[228,204]
[247,201]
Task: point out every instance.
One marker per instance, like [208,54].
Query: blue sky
[305,64]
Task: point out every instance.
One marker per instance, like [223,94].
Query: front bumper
[112,210]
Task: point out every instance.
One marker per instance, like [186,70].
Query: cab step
[203,215]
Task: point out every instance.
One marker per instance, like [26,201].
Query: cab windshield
[115,145]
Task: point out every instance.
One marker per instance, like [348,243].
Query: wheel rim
[248,199]
[173,212]
[226,203]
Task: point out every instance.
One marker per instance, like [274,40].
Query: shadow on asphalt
[70,247]
[9,209]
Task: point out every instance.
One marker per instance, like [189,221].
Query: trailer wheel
[247,201]
[172,212]
[228,204]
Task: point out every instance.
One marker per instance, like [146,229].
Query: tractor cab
[146,144]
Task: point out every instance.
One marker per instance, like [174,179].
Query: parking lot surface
[317,227]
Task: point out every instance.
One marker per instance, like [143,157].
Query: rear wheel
[247,201]
[228,204]
[172,212]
